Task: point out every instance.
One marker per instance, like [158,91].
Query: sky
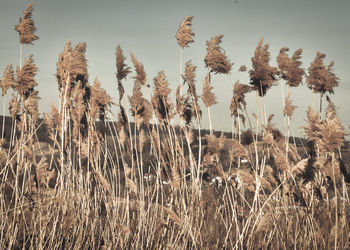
[147,28]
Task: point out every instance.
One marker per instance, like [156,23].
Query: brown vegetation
[78,180]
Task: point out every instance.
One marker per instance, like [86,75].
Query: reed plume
[288,107]
[189,78]
[321,79]
[208,98]
[8,79]
[122,120]
[238,105]
[283,62]
[318,77]
[295,73]
[330,133]
[71,66]
[7,82]
[78,109]
[291,72]
[184,107]
[25,82]
[26,27]
[274,139]
[313,124]
[100,101]
[141,108]
[122,71]
[290,67]
[162,106]
[332,79]
[262,76]
[238,100]
[275,133]
[288,111]
[14,108]
[140,77]
[72,74]
[31,105]
[185,34]
[53,122]
[216,59]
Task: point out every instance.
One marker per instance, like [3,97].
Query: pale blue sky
[147,28]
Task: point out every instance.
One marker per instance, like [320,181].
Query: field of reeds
[148,176]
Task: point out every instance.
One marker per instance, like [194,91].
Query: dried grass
[216,59]
[8,80]
[185,34]
[26,27]
[161,103]
[321,79]
[88,189]
[122,71]
[208,96]
[263,75]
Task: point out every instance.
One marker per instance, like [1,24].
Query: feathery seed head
[262,76]
[289,108]
[320,78]
[140,77]
[160,101]
[31,105]
[122,69]
[290,67]
[326,135]
[122,120]
[72,66]
[208,96]
[313,124]
[140,107]
[14,107]
[26,27]
[240,90]
[8,79]
[238,100]
[283,61]
[189,76]
[100,101]
[25,77]
[77,110]
[185,34]
[216,58]
[183,107]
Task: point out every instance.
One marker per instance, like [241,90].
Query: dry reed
[122,185]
